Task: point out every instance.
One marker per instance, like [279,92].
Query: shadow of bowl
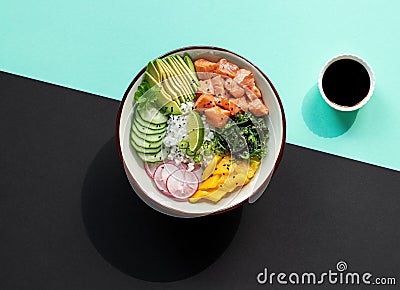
[140,241]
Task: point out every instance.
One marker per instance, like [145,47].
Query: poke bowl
[199,131]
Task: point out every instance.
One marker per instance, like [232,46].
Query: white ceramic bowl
[143,185]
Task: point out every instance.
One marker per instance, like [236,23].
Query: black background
[69,219]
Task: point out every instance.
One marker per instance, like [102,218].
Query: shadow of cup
[323,120]
[140,241]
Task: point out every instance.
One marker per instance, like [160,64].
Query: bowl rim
[179,50]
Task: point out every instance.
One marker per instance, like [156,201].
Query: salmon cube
[241,103]
[234,89]
[203,65]
[205,69]
[250,94]
[204,102]
[222,102]
[218,85]
[257,108]
[233,107]
[226,68]
[217,117]
[256,91]
[206,87]
[226,94]
[245,78]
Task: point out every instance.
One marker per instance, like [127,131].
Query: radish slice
[182,184]
[179,165]
[161,174]
[150,168]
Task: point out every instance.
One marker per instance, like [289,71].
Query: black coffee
[346,82]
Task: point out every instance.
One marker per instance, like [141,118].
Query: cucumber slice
[146,137]
[141,122]
[146,130]
[143,143]
[152,115]
[151,158]
[144,150]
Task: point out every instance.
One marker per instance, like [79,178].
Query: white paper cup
[371,87]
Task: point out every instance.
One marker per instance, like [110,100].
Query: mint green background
[98,47]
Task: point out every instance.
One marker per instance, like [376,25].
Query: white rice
[177,132]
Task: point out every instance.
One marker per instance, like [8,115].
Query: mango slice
[216,195]
[224,175]
[224,167]
[211,182]
[201,194]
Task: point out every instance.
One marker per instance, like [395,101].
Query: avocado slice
[189,63]
[170,107]
[165,82]
[163,98]
[183,76]
[194,83]
[169,81]
[150,79]
[189,71]
[180,76]
[178,79]
[166,104]
[151,68]
[153,82]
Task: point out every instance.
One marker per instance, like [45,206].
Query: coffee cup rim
[371,77]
